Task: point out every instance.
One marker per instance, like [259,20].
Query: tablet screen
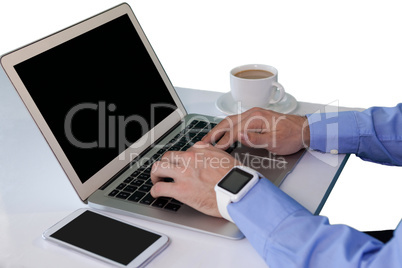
[106,237]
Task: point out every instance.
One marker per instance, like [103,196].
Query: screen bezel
[158,245]
[8,61]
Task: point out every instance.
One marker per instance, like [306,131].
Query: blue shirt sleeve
[374,134]
[285,234]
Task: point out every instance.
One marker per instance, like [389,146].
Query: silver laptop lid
[98,93]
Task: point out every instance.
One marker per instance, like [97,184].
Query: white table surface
[35,194]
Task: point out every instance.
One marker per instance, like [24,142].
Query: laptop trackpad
[273,167]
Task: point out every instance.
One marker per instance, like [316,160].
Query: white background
[340,52]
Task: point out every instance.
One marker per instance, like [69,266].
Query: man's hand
[259,128]
[195,173]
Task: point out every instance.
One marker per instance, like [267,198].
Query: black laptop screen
[98,93]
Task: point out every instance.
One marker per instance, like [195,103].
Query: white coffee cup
[255,85]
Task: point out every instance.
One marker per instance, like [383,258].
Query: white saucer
[227,105]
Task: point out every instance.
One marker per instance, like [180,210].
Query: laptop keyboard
[136,187]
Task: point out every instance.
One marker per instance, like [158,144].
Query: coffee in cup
[255,85]
[254,74]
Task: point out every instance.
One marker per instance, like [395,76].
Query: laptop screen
[98,92]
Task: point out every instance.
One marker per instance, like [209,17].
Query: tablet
[114,241]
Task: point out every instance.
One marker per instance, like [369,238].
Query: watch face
[235,180]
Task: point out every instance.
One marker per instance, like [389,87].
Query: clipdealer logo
[112,131]
[112,127]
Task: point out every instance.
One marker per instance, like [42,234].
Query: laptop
[107,109]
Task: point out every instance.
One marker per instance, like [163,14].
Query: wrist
[233,187]
[305,132]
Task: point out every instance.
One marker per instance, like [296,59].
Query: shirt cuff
[334,132]
[261,210]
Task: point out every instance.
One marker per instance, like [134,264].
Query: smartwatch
[233,186]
